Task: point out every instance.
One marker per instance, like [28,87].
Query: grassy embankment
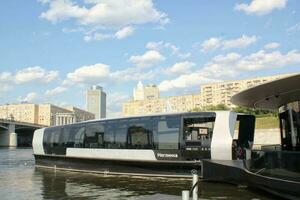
[268,122]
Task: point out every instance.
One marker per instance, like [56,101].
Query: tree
[212,107]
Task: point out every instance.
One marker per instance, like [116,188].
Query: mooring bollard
[195,185]
[185,194]
[194,189]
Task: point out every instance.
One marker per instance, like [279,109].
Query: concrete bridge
[16,133]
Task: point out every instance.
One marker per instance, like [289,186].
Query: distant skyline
[54,50]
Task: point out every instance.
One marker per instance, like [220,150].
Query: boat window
[52,141]
[76,136]
[55,138]
[115,135]
[140,134]
[66,137]
[120,135]
[94,137]
[168,128]
[197,132]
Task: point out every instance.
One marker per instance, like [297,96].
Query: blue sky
[52,50]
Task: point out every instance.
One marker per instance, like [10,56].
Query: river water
[19,179]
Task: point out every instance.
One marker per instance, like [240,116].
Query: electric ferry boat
[169,145]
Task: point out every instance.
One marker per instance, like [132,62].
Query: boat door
[243,137]
[289,130]
[197,134]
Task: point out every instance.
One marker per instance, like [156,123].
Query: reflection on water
[19,179]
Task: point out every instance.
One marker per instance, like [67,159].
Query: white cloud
[149,58]
[54,91]
[230,66]
[261,7]
[133,73]
[272,45]
[124,32]
[181,67]
[241,42]
[89,73]
[6,76]
[120,34]
[210,44]
[184,81]
[35,74]
[215,43]
[115,17]
[228,58]
[263,60]
[101,73]
[157,46]
[30,97]
[50,76]
[294,28]
[96,37]
[105,13]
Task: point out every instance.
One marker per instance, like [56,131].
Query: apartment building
[221,93]
[144,102]
[44,114]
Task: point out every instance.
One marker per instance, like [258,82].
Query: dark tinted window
[167,130]
[53,141]
[66,137]
[115,134]
[120,133]
[77,136]
[94,137]
[140,133]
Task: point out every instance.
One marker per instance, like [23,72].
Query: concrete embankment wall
[266,137]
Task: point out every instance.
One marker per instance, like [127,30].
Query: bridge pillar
[9,138]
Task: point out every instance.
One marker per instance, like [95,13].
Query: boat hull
[235,172]
[119,167]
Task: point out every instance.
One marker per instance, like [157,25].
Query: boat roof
[270,95]
[148,115]
[155,115]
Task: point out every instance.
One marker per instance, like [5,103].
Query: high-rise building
[142,92]
[96,101]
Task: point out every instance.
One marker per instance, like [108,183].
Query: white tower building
[138,92]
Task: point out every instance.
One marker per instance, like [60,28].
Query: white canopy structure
[270,95]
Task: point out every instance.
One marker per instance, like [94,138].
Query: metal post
[195,182]
[293,134]
[185,194]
